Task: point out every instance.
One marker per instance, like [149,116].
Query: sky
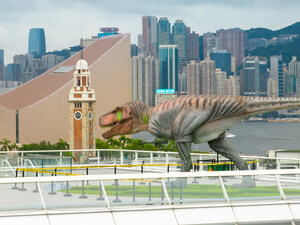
[67,21]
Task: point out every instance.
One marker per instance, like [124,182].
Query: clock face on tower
[77,115]
[90,115]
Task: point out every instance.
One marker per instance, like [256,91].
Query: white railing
[124,156]
[136,193]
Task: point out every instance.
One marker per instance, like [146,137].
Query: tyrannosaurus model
[197,119]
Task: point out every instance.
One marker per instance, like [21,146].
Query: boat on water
[255,119]
[229,135]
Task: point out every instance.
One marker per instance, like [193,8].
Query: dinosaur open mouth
[116,128]
[108,128]
[111,130]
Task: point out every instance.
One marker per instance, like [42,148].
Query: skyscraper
[168,66]
[149,33]
[163,32]
[193,78]
[179,39]
[13,72]
[208,76]
[145,72]
[36,41]
[294,70]
[2,67]
[221,82]
[233,85]
[223,60]
[133,50]
[254,76]
[233,40]
[276,73]
[210,42]
[192,45]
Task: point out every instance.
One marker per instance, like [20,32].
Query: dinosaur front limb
[184,149]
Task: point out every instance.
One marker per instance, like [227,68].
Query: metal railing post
[136,157]
[36,190]
[149,191]
[117,192]
[122,157]
[15,187]
[22,188]
[100,198]
[167,158]
[83,195]
[52,192]
[67,194]
[151,157]
[133,191]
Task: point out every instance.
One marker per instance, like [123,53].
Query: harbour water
[255,138]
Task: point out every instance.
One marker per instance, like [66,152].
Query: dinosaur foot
[248,182]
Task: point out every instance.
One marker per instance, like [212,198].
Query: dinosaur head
[124,119]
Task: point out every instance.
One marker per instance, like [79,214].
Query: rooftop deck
[155,197]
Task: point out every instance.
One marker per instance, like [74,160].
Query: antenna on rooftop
[81,54]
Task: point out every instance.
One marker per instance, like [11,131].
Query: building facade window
[77,105]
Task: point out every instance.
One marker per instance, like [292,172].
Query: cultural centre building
[39,109]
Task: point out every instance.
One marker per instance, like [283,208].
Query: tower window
[78,82]
[90,125]
[78,71]
[90,136]
[77,105]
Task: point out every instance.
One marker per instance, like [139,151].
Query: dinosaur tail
[258,105]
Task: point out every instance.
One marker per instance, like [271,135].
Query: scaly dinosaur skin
[197,119]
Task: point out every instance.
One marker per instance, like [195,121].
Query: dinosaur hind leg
[223,147]
[220,145]
[184,149]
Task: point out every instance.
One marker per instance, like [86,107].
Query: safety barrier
[46,170]
[166,197]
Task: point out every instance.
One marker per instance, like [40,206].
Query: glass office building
[255,76]
[179,38]
[36,41]
[168,70]
[163,32]
[223,60]
[13,72]
[277,72]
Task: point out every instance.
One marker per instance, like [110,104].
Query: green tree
[101,144]
[62,145]
[5,145]
[114,143]
[14,147]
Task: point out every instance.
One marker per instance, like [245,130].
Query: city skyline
[64,27]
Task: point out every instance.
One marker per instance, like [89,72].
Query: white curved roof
[82,64]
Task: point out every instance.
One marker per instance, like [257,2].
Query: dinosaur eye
[119,115]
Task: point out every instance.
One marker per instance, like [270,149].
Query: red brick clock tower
[82,110]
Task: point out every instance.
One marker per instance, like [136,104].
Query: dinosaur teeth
[107,128]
